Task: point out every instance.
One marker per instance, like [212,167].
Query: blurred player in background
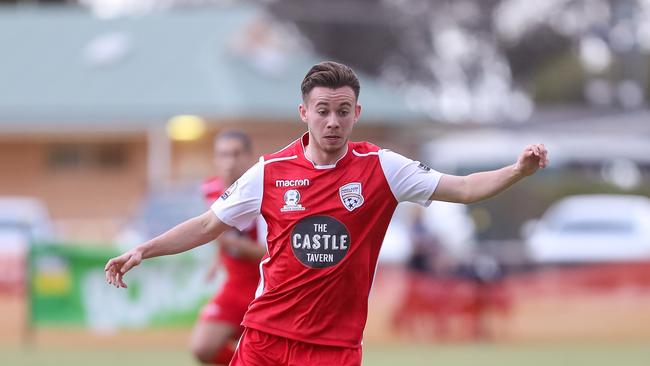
[239,254]
[327,202]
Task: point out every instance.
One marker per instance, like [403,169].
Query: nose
[332,121]
[226,161]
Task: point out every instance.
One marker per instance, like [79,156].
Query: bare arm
[185,236]
[479,186]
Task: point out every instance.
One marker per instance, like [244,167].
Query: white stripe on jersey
[329,166]
[366,154]
[280,159]
[260,285]
[262,231]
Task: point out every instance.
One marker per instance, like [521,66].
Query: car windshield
[595,226]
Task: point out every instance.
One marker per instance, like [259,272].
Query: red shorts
[258,348]
[228,307]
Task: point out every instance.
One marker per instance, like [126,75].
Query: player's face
[330,115]
[231,159]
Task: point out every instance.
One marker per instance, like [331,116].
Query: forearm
[479,186]
[182,237]
[185,236]
[483,185]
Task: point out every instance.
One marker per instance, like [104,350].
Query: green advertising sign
[68,287]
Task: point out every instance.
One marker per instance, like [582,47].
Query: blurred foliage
[535,52]
[558,80]
[402,36]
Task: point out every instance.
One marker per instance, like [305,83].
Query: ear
[357,112]
[303,112]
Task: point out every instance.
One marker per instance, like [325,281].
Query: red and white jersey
[325,229]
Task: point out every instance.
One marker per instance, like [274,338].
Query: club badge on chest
[351,196]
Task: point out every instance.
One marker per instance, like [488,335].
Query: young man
[219,324]
[327,202]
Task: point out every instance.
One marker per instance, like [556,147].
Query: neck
[321,157]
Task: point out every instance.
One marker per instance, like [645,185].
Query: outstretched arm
[479,186]
[185,236]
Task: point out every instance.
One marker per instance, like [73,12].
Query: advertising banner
[68,287]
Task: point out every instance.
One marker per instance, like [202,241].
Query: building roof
[61,66]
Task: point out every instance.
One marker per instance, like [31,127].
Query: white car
[450,223]
[591,228]
[27,216]
[23,221]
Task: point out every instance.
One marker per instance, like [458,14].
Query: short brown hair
[332,75]
[237,135]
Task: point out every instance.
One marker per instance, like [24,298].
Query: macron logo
[292,182]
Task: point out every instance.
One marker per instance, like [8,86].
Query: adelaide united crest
[351,195]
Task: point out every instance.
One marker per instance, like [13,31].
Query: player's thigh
[210,336]
[257,348]
[319,355]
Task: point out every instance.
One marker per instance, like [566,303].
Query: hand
[532,158]
[118,266]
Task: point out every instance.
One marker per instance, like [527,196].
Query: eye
[344,113]
[322,112]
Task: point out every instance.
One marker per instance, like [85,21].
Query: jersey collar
[304,141]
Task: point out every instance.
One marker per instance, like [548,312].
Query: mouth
[331,138]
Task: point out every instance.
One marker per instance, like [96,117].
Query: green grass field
[413,355]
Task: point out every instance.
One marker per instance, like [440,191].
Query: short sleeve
[241,203]
[409,180]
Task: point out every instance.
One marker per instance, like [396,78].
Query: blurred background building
[108,109]
[97,112]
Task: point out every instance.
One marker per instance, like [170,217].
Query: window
[87,156]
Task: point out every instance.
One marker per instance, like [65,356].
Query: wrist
[144,250]
[516,172]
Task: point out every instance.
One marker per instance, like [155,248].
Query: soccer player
[219,324]
[327,202]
